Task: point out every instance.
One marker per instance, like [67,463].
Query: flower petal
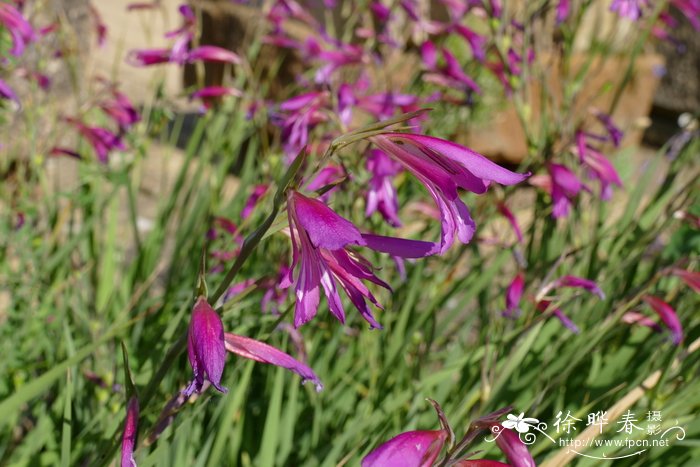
[401,247]
[410,449]
[265,353]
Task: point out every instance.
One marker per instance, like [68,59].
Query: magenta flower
[212,53]
[580,283]
[410,449]
[319,241]
[6,92]
[668,316]
[565,186]
[328,175]
[148,57]
[513,295]
[598,165]
[301,114]
[690,9]
[252,201]
[543,306]
[476,41]
[101,139]
[19,28]
[130,432]
[563,10]
[515,451]
[121,110]
[443,167]
[381,194]
[264,353]
[631,9]
[205,347]
[692,279]
[211,94]
[633,317]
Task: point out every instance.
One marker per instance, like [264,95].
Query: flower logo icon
[519,423]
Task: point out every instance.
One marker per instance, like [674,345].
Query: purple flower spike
[410,449]
[559,314]
[205,347]
[20,30]
[443,167]
[130,431]
[668,316]
[515,451]
[264,353]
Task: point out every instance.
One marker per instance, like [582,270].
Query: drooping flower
[565,186]
[319,240]
[130,432]
[598,165]
[20,30]
[692,279]
[264,353]
[205,347]
[121,110]
[410,449]
[102,140]
[579,282]
[413,448]
[381,193]
[668,316]
[443,167]
[513,295]
[298,116]
[212,94]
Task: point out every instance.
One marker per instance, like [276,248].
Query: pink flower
[565,186]
[410,449]
[101,139]
[443,167]
[264,353]
[513,295]
[381,194]
[130,432]
[319,240]
[258,192]
[631,9]
[205,347]
[19,28]
[515,451]
[692,279]
[668,316]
